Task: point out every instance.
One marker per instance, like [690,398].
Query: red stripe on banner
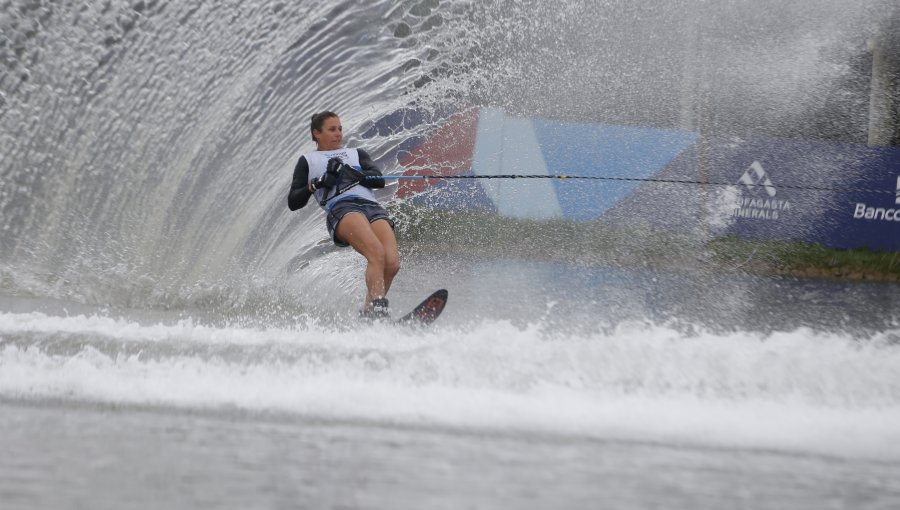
[446,152]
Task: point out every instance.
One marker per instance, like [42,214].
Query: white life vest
[318,164]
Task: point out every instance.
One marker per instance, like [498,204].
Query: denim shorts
[372,210]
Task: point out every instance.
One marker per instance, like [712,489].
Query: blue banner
[833,194]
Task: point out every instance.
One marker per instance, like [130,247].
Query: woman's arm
[369,169]
[300,193]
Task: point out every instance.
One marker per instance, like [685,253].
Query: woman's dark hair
[317,121]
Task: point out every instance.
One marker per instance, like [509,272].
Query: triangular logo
[756,177]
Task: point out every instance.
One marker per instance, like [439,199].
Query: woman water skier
[338,179]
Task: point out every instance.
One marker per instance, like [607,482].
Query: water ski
[427,311]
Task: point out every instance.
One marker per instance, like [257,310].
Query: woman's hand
[316,184]
[333,172]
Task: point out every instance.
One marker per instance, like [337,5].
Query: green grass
[422,230]
[482,233]
[806,259]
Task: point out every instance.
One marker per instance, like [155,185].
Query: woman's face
[330,136]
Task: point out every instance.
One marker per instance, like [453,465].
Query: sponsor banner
[603,150]
[838,195]
[488,142]
[781,189]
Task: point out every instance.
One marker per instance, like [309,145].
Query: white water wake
[800,392]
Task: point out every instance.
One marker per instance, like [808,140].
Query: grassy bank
[594,243]
[806,260]
[486,234]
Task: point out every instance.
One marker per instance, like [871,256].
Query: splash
[148,146]
[798,391]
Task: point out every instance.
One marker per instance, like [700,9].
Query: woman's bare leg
[385,234]
[355,229]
